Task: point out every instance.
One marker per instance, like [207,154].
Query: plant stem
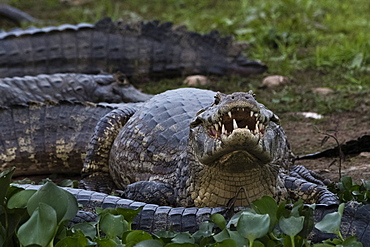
[292,240]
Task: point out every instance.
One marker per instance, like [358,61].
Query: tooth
[216,127]
[252,113]
[223,129]
[256,114]
[247,127]
[229,114]
[261,126]
[257,130]
[243,109]
[219,123]
[258,122]
[235,125]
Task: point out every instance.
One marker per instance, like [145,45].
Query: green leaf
[221,236]
[183,237]
[347,183]
[352,241]
[205,230]
[136,236]
[40,228]
[267,205]
[181,245]
[253,226]
[219,220]
[128,213]
[64,204]
[331,222]
[291,226]
[5,180]
[149,243]
[87,229]
[225,243]
[113,225]
[309,223]
[106,242]
[77,240]
[20,199]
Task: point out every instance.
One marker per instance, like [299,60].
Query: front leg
[153,192]
[309,192]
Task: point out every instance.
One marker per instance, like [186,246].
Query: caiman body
[143,49]
[69,87]
[189,147]
[48,138]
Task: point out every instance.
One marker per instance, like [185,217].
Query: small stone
[365,154]
[313,115]
[274,81]
[196,80]
[322,90]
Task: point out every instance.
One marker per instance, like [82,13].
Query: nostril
[232,97]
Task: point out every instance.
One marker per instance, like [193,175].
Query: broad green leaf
[225,243]
[136,236]
[267,205]
[5,179]
[113,225]
[298,205]
[309,223]
[165,234]
[86,228]
[352,241]
[347,183]
[149,243]
[219,220]
[253,226]
[20,199]
[64,204]
[183,237]
[205,230]
[331,222]
[221,236]
[40,228]
[291,226]
[105,242]
[129,214]
[181,245]
[77,240]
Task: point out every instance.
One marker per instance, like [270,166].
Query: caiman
[137,50]
[48,138]
[193,147]
[70,87]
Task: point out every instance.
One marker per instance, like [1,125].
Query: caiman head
[237,144]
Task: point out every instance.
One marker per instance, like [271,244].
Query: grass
[315,43]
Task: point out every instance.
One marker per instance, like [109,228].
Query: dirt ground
[305,138]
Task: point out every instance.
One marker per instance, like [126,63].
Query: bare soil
[305,136]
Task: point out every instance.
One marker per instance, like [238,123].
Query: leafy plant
[39,218]
[348,190]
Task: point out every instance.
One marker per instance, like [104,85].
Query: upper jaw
[243,118]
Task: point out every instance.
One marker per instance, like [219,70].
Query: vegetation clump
[40,218]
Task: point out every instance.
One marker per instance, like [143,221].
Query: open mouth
[238,118]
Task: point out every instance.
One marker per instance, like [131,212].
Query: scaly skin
[171,152]
[48,138]
[137,50]
[70,87]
